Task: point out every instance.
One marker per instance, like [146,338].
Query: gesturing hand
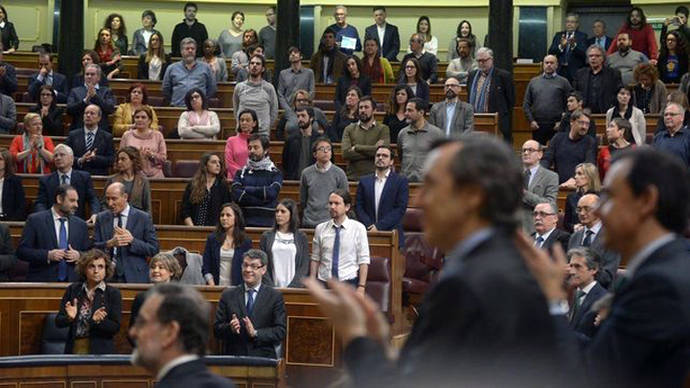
[99,315]
[71,309]
[235,324]
[250,327]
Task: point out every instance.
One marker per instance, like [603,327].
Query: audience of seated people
[128,172]
[154,61]
[205,193]
[225,248]
[31,150]
[46,76]
[317,182]
[288,125]
[236,147]
[51,114]
[361,138]
[148,141]
[197,122]
[219,69]
[12,198]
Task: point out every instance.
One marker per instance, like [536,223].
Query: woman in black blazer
[154,59]
[51,114]
[8,35]
[91,308]
[229,235]
[287,248]
[12,196]
[411,75]
[352,76]
[201,204]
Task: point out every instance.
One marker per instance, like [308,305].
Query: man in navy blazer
[569,46]
[90,93]
[8,77]
[65,174]
[582,271]
[391,37]
[600,38]
[127,233]
[96,157]
[47,76]
[50,254]
[386,212]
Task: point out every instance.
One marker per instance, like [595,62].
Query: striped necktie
[89,140]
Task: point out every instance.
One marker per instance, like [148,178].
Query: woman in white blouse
[287,248]
[198,122]
[430,41]
[626,110]
[155,61]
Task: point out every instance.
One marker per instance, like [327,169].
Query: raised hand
[71,309]
[235,324]
[250,327]
[99,315]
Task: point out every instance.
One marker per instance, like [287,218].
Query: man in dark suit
[467,331]
[382,197]
[540,184]
[8,77]
[546,234]
[250,319]
[582,271]
[386,35]
[171,333]
[498,97]
[600,38]
[90,93]
[52,239]
[644,341]
[452,115]
[569,47]
[591,236]
[47,76]
[92,148]
[128,233]
[65,174]
[598,83]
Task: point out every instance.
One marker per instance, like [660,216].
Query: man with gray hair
[186,75]
[598,83]
[546,234]
[90,93]
[428,63]
[346,35]
[569,47]
[250,319]
[583,267]
[171,333]
[676,138]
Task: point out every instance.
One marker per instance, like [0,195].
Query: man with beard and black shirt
[327,63]
[189,28]
[453,116]
[297,154]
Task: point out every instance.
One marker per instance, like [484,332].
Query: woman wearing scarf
[32,151]
[374,65]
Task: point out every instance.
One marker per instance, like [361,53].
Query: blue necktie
[89,140]
[250,301]
[64,179]
[539,242]
[336,253]
[62,244]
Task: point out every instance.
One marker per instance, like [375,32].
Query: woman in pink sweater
[148,141]
[236,150]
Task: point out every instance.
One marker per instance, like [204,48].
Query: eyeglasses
[529,150]
[581,209]
[253,267]
[671,114]
[452,86]
[542,214]
[324,149]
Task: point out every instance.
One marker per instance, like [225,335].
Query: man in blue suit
[52,239]
[569,46]
[386,35]
[90,93]
[92,148]
[382,197]
[128,234]
[47,76]
[65,174]
[600,38]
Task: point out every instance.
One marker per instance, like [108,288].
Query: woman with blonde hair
[586,181]
[32,151]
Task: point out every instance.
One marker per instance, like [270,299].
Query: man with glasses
[545,100]
[250,319]
[568,149]
[676,138]
[591,236]
[546,235]
[317,182]
[382,197]
[428,63]
[539,184]
[598,83]
[453,115]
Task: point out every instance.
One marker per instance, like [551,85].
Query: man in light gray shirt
[317,182]
[415,140]
[258,95]
[625,59]
[294,78]
[187,74]
[453,115]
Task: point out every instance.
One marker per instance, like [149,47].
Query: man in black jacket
[93,149]
[598,83]
[297,154]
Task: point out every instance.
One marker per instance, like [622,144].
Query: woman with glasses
[412,77]
[51,114]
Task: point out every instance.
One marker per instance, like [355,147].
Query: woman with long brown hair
[225,248]
[395,117]
[206,192]
[128,172]
[155,61]
[109,55]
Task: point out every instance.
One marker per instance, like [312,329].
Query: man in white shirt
[582,270]
[340,249]
[171,333]
[385,34]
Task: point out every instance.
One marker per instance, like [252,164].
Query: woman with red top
[32,151]
[108,54]
[641,33]
[236,149]
[616,133]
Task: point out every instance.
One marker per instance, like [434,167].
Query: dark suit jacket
[212,259]
[609,85]
[100,334]
[485,311]
[501,97]
[557,236]
[193,374]
[391,41]
[7,256]
[302,258]
[608,260]
[80,180]
[645,340]
[607,42]
[8,82]
[143,67]
[38,237]
[268,318]
[145,243]
[76,105]
[583,320]
[392,205]
[292,153]
[52,123]
[103,143]
[59,85]
[575,57]
[13,199]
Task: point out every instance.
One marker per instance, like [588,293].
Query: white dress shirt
[56,224]
[596,228]
[379,184]
[354,248]
[382,32]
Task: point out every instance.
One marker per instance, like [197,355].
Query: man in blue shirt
[676,138]
[187,74]
[344,30]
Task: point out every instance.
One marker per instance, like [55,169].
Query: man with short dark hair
[598,82]
[317,182]
[267,34]
[171,332]
[47,76]
[294,78]
[675,140]
[297,153]
[255,187]
[573,103]
[187,74]
[258,95]
[569,47]
[428,63]
[385,34]
[90,93]
[360,140]
[250,319]
[568,149]
[546,234]
[52,239]
[583,268]
[92,148]
[452,115]
[414,141]
[327,62]
[189,27]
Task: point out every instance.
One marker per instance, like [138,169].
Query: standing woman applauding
[225,248]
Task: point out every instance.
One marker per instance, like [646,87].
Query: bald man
[539,184]
[545,100]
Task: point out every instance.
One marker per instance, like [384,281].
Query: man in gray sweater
[257,95]
[318,181]
[625,59]
[545,100]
